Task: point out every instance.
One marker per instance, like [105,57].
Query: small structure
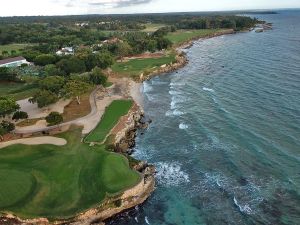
[13,62]
[65,51]
[111,41]
[82,24]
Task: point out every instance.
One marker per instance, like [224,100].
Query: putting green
[59,181]
[15,187]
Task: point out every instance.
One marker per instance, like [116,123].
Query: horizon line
[172,12]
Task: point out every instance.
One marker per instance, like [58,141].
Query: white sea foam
[158,82]
[172,113]
[169,113]
[146,220]
[145,153]
[171,92]
[183,126]
[208,89]
[172,84]
[176,100]
[215,178]
[147,87]
[173,105]
[150,97]
[177,112]
[243,208]
[171,174]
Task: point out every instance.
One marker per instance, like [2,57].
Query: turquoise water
[225,136]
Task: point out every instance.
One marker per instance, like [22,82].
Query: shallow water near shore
[225,137]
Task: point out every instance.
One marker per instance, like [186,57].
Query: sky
[74,7]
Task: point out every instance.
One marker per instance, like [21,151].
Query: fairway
[152,27]
[17,90]
[135,67]
[12,47]
[58,182]
[182,36]
[110,118]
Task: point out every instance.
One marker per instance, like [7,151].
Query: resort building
[81,24]
[13,62]
[65,51]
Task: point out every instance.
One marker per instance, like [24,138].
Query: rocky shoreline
[181,59]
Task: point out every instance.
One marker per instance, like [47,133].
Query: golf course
[60,181]
[182,36]
[16,90]
[111,116]
[134,67]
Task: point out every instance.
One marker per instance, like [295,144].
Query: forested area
[97,42]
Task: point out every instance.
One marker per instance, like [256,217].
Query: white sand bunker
[35,141]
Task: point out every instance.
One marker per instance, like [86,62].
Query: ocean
[225,136]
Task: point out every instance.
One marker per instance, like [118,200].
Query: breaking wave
[175,112]
[147,87]
[183,126]
[208,89]
[243,208]
[171,174]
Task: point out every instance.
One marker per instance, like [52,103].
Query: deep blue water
[225,136]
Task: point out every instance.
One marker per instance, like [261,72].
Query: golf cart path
[89,122]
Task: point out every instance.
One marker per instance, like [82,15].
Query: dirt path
[99,100]
[35,141]
[90,121]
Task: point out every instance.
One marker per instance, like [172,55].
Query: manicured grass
[60,181]
[152,27]
[110,118]
[182,36]
[15,186]
[17,90]
[135,67]
[10,47]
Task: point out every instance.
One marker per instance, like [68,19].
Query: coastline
[138,194]
[181,59]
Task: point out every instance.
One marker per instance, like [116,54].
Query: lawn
[182,36]
[152,27]
[10,47]
[60,181]
[17,90]
[135,67]
[110,118]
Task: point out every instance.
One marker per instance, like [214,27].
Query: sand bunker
[35,141]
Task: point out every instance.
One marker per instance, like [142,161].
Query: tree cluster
[5,128]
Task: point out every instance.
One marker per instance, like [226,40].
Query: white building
[81,24]
[65,51]
[13,62]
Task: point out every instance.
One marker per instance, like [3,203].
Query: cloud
[118,3]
